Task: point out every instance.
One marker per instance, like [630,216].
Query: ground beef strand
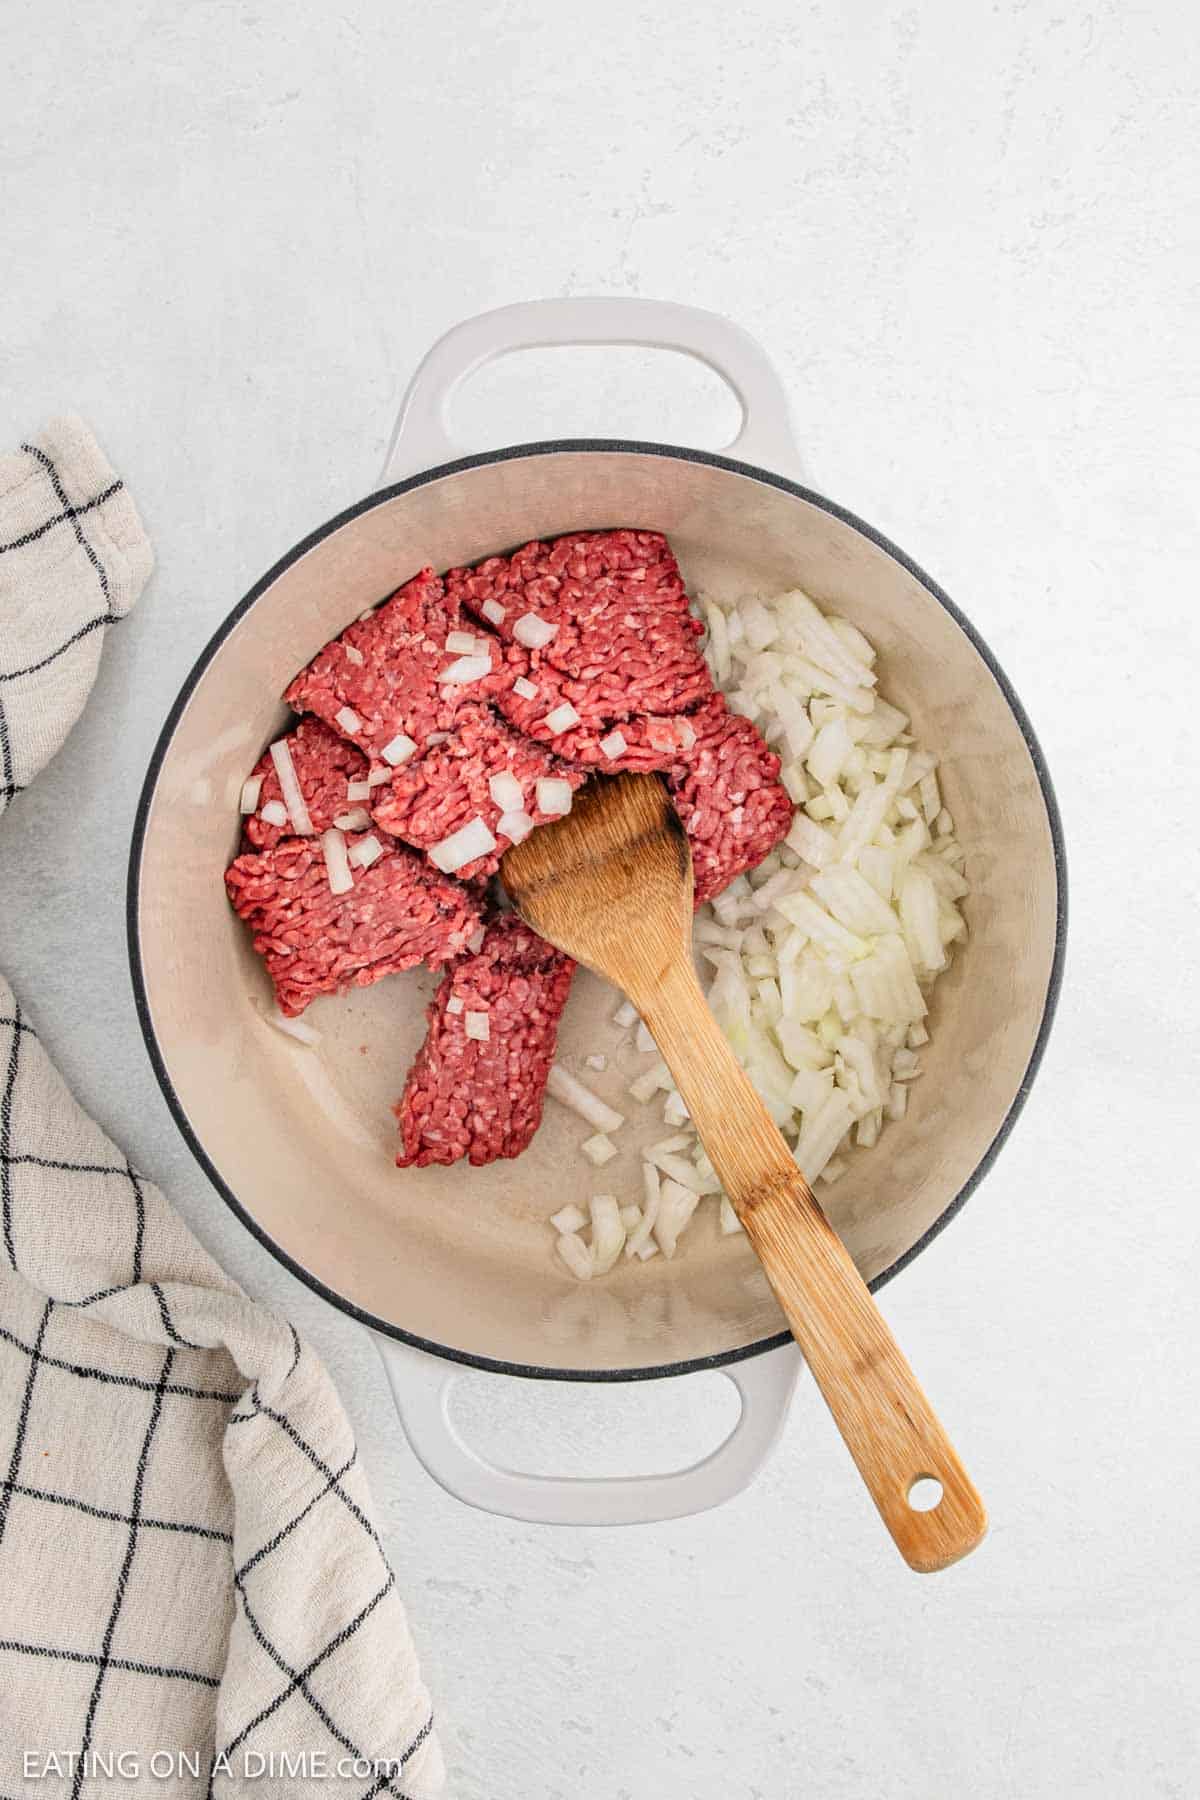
[482,1099]
[399,913]
[729,798]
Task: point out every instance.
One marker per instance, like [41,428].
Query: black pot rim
[553,447]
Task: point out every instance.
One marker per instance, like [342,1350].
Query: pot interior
[303,1139]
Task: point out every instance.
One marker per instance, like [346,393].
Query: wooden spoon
[611,884]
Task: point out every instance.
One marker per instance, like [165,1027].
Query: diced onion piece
[464,669]
[348,719]
[293,1028]
[676,1205]
[919,918]
[674,1166]
[355,820]
[477,1026]
[553,796]
[526,688]
[366,851]
[561,718]
[274,813]
[455,1005]
[354,655]
[293,799]
[597,1061]
[853,901]
[398,751]
[463,846]
[729,1219]
[475,941]
[460,643]
[651,1186]
[377,777]
[917,1035]
[569,1218]
[437,737]
[834,1169]
[631,1217]
[625,1015]
[608,1233]
[251,789]
[613,745]
[337,863]
[822,1134]
[516,826]
[358,790]
[643,1040]
[571,1092]
[687,734]
[674,1111]
[534,632]
[507,792]
[811,841]
[493,612]
[598,1149]
[576,1255]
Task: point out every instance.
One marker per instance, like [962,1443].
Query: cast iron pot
[300,1143]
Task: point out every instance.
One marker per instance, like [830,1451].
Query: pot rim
[550,447]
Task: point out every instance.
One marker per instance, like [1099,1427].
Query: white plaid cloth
[191,1586]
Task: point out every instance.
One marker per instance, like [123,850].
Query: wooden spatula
[611,884]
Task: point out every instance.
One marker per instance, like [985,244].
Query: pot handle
[422,440]
[422,1385]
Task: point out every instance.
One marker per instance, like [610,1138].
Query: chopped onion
[643,1040]
[368,850]
[493,612]
[608,1233]
[460,642]
[576,1255]
[598,1149]
[613,745]
[674,1111]
[348,719]
[598,1061]
[507,792]
[293,799]
[337,864]
[569,1218]
[274,813]
[475,941]
[631,1217]
[652,1189]
[647,1085]
[377,777]
[677,1204]
[356,820]
[561,718]
[464,669]
[553,796]
[625,1015]
[455,1005]
[358,790]
[571,1092]
[463,846]
[251,789]
[293,1028]
[534,632]
[729,1219]
[437,737]
[353,655]
[478,1027]
[516,826]
[399,750]
[526,688]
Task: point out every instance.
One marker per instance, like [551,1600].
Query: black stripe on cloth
[129,1381]
[168,1323]
[383,1781]
[139,1238]
[19,1024]
[14,1466]
[123,1577]
[6,1100]
[335,1643]
[51,1162]
[286,1426]
[10,787]
[64,500]
[300,1686]
[101,1512]
[252,1562]
[112,1662]
[85,630]
[71,512]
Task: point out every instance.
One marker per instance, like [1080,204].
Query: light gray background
[968,235]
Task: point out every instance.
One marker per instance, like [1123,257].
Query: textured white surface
[968,237]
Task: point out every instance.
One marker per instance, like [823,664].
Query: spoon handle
[889,1426]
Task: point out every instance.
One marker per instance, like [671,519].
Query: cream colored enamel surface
[304,1138]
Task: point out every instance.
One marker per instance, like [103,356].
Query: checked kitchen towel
[190,1579]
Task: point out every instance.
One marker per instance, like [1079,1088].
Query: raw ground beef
[729,797]
[395,690]
[651,741]
[626,640]
[438,793]
[483,1100]
[399,913]
[325,764]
